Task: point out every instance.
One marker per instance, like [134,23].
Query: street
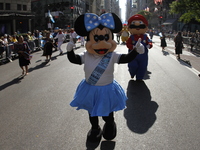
[162,112]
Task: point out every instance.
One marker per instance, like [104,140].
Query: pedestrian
[55,32]
[82,40]
[178,44]
[170,35]
[2,46]
[23,50]
[151,34]
[99,93]
[163,43]
[14,39]
[73,36]
[48,47]
[31,42]
[61,37]
[192,41]
[118,37]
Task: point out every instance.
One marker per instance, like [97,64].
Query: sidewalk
[188,57]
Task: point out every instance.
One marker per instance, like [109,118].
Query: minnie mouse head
[99,31]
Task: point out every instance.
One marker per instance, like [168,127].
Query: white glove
[70,46]
[139,46]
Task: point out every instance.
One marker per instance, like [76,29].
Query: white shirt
[60,37]
[72,36]
[90,62]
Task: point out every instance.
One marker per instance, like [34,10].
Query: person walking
[192,42]
[23,50]
[151,34]
[61,37]
[163,43]
[82,41]
[48,47]
[178,44]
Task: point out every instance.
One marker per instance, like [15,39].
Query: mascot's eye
[107,37]
[96,38]
[141,22]
[133,22]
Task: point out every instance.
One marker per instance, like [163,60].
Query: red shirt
[130,43]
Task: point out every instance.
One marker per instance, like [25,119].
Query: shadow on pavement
[105,145]
[140,111]
[185,62]
[147,75]
[43,64]
[165,53]
[14,81]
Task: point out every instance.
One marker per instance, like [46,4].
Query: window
[24,7]
[7,6]
[19,7]
[134,6]
[1,6]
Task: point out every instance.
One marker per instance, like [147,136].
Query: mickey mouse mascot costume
[99,93]
[137,26]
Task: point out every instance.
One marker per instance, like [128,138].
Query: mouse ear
[79,26]
[118,24]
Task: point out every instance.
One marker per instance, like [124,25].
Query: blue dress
[99,100]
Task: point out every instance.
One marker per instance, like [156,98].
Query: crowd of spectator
[35,40]
[191,39]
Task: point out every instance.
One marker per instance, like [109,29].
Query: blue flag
[50,16]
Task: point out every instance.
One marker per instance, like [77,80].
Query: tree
[146,14]
[188,9]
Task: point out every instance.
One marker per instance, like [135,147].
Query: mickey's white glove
[139,46]
[70,46]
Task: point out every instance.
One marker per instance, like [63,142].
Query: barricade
[6,53]
[38,44]
[32,45]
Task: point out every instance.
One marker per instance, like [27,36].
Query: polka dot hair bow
[92,21]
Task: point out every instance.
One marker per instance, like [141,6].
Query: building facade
[15,16]
[29,15]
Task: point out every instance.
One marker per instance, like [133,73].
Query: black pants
[95,120]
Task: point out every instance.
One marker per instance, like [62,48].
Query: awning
[169,22]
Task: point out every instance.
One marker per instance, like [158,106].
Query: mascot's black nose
[101,37]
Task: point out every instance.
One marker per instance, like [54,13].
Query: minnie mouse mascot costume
[99,93]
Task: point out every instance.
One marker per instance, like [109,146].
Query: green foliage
[188,10]
[146,14]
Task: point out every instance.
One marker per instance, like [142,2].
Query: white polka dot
[90,22]
[96,24]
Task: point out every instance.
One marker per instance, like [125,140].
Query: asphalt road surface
[162,112]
